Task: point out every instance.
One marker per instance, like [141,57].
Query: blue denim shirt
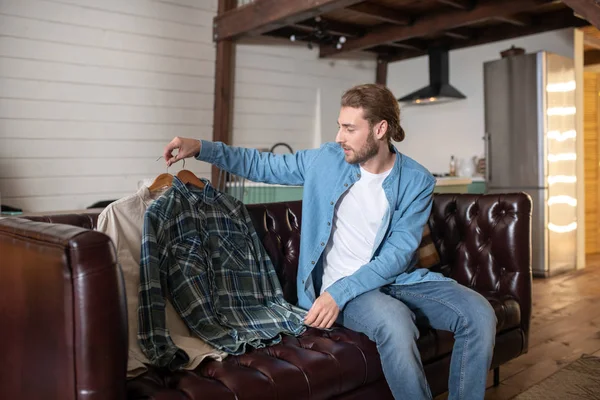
[326,175]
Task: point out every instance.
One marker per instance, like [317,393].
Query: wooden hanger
[161,181]
[166,179]
[187,176]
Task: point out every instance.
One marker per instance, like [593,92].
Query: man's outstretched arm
[286,169]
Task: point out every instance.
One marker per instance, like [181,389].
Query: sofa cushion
[319,364]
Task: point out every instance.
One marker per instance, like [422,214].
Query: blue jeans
[389,316]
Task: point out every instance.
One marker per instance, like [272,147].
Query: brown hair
[378,104]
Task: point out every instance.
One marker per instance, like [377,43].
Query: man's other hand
[323,312]
[186,148]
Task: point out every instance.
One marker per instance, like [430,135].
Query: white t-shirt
[356,219]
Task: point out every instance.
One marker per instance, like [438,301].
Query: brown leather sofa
[64,325]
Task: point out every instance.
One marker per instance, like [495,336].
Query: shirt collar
[194,194]
[148,197]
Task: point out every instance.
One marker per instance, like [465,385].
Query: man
[364,209]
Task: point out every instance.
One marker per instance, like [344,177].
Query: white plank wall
[276,94]
[90,93]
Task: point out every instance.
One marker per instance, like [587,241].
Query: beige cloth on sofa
[122,221]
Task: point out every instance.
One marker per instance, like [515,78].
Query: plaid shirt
[200,248]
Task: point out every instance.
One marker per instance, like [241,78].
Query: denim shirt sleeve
[396,251]
[282,169]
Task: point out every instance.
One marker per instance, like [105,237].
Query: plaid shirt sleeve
[153,336]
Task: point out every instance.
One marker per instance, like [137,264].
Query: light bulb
[338,46]
[342,39]
[293,38]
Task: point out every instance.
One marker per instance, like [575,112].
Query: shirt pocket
[234,252]
[191,256]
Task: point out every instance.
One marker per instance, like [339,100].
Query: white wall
[435,132]
[90,93]
[277,91]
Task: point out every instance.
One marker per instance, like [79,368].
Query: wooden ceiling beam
[408,46]
[591,41]
[518,20]
[262,16]
[435,23]
[286,32]
[460,4]
[382,13]
[549,22]
[461,34]
[333,27]
[591,57]
[588,9]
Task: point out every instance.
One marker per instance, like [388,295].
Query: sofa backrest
[485,243]
[483,240]
[86,220]
[278,225]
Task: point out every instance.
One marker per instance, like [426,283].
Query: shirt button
[345,184]
[358,175]
[303,281]
[312,262]
[332,203]
[322,244]
[329,224]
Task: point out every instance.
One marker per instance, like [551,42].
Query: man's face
[355,136]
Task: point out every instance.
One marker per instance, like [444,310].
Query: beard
[365,153]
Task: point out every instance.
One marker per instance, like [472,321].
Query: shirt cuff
[207,149]
[340,292]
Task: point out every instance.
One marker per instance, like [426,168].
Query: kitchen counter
[453,181]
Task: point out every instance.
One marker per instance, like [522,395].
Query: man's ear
[381,129]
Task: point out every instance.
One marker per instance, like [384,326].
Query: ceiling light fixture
[320,35]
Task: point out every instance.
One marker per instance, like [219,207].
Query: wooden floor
[565,324]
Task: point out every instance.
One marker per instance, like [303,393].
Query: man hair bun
[398,136]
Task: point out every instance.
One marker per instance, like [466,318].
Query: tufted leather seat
[484,243]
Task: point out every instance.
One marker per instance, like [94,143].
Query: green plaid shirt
[199,247]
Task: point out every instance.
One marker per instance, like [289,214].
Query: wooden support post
[382,68]
[224,85]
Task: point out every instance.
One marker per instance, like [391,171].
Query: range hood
[439,89]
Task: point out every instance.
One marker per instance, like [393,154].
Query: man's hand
[323,312]
[187,148]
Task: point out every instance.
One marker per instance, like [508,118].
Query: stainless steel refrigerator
[530,144]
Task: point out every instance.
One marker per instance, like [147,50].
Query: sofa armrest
[485,242]
[62,304]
